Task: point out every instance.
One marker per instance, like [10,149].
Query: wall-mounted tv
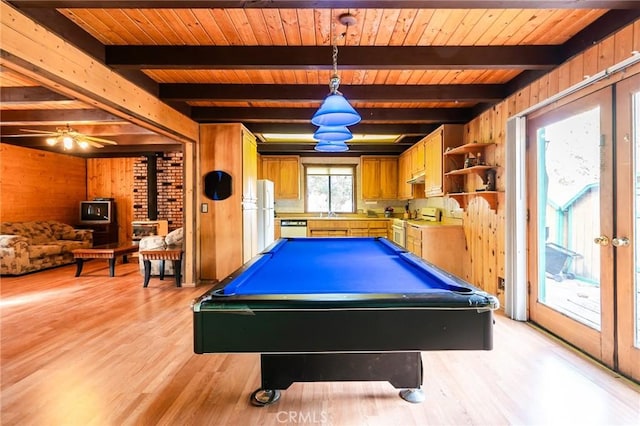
[96,212]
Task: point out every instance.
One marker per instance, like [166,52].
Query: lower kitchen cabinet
[348,228]
[445,247]
[413,239]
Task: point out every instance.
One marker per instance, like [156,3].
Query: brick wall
[170,189]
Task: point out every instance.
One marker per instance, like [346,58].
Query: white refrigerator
[266,214]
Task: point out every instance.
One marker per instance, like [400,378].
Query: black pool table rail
[216,299]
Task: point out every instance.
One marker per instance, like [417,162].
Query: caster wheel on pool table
[412,395]
[262,397]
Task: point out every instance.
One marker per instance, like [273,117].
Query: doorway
[583,159]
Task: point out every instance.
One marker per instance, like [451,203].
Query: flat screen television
[96,212]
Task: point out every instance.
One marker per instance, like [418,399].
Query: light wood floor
[96,350]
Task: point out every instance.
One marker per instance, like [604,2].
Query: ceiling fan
[68,137]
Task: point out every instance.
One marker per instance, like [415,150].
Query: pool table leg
[261,397]
[412,395]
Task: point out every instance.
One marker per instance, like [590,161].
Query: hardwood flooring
[95,350]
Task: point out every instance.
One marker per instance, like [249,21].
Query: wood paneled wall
[40,185]
[484,228]
[113,177]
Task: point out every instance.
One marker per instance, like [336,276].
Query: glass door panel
[569,215]
[570,264]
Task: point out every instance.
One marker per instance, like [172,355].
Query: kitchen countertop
[427,224]
[331,218]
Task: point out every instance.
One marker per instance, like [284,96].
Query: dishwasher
[293,228]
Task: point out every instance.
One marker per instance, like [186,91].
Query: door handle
[620,242]
[602,240]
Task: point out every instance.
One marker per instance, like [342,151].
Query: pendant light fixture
[331,146]
[332,133]
[335,112]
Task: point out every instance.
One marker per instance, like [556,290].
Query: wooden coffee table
[107,251]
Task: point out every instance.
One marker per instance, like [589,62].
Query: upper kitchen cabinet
[379,177]
[407,191]
[435,144]
[417,153]
[284,171]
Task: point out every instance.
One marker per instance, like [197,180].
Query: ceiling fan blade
[42,132]
[95,144]
[99,140]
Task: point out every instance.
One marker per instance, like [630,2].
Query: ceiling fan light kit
[335,112]
[67,137]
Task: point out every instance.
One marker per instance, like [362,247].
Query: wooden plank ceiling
[406,66]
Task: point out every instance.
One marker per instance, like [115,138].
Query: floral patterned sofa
[32,246]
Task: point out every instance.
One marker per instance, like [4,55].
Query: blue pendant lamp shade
[335,111]
[332,133]
[331,146]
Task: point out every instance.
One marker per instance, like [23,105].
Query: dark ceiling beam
[598,30]
[317,92]
[398,115]
[319,57]
[601,28]
[360,128]
[18,95]
[59,116]
[339,4]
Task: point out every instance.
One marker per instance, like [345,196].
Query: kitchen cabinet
[436,143]
[227,230]
[379,177]
[348,228]
[413,239]
[284,171]
[380,229]
[417,158]
[445,247]
[469,170]
[407,191]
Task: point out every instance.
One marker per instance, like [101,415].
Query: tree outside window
[330,189]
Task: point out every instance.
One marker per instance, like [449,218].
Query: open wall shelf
[457,169]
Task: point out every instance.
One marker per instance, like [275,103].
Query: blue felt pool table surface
[340,265]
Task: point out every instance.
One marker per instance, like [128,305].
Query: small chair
[174,238]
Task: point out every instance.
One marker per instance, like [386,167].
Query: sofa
[174,238]
[33,246]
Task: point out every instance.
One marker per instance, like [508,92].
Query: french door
[583,167]
[627,252]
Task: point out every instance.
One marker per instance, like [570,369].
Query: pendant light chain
[334,82]
[335,112]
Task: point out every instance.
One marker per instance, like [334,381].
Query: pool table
[337,309]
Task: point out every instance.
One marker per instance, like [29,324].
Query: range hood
[417,179]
